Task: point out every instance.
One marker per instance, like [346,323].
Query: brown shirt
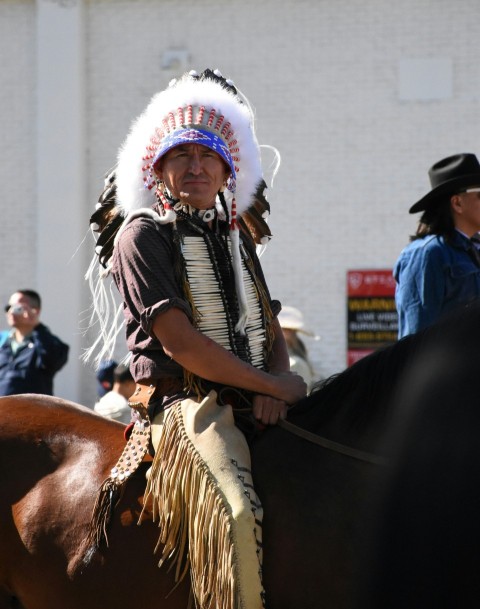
[143,266]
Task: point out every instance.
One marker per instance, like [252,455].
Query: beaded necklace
[208,282]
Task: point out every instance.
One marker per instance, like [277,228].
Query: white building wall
[18,214]
[60,173]
[338,88]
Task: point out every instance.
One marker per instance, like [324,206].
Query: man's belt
[139,441]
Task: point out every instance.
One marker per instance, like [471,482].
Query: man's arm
[279,360]
[266,408]
[421,298]
[52,353]
[207,359]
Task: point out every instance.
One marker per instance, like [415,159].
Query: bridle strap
[355,453]
[331,445]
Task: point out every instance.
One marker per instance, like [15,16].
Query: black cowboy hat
[448,177]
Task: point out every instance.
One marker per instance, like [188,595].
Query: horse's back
[54,455]
[29,415]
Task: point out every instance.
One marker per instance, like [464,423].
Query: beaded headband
[188,135]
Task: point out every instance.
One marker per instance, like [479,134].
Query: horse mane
[362,387]
[365,391]
[362,391]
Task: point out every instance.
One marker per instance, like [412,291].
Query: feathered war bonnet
[205,110]
[201,109]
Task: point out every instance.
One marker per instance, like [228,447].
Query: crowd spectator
[292,324]
[105,376]
[440,269]
[30,355]
[114,404]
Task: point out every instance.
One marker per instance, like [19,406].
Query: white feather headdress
[193,103]
[206,106]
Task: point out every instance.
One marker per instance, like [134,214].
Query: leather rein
[330,444]
[342,449]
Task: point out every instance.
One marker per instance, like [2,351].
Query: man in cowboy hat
[440,269]
[292,324]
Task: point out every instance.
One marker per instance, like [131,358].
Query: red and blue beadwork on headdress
[192,134]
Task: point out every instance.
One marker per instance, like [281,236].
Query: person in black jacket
[30,355]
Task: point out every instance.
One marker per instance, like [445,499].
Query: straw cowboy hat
[291,318]
[448,177]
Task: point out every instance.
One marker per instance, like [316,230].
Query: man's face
[193,173]
[466,211]
[20,312]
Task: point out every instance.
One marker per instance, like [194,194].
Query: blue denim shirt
[433,277]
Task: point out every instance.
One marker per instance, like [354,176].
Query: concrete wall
[359,97]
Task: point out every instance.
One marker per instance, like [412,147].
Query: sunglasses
[476,189]
[15,309]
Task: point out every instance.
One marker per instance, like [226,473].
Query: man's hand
[269,410]
[23,317]
[204,357]
[290,386]
[31,315]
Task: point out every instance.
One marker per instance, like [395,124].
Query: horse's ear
[253,220]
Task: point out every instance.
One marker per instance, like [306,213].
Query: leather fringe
[193,517]
[108,496]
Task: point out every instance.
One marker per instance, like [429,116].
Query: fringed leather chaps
[200,490]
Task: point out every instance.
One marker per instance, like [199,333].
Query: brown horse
[54,455]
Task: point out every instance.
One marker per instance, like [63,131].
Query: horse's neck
[354,407]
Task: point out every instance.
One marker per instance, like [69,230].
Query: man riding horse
[178,222]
